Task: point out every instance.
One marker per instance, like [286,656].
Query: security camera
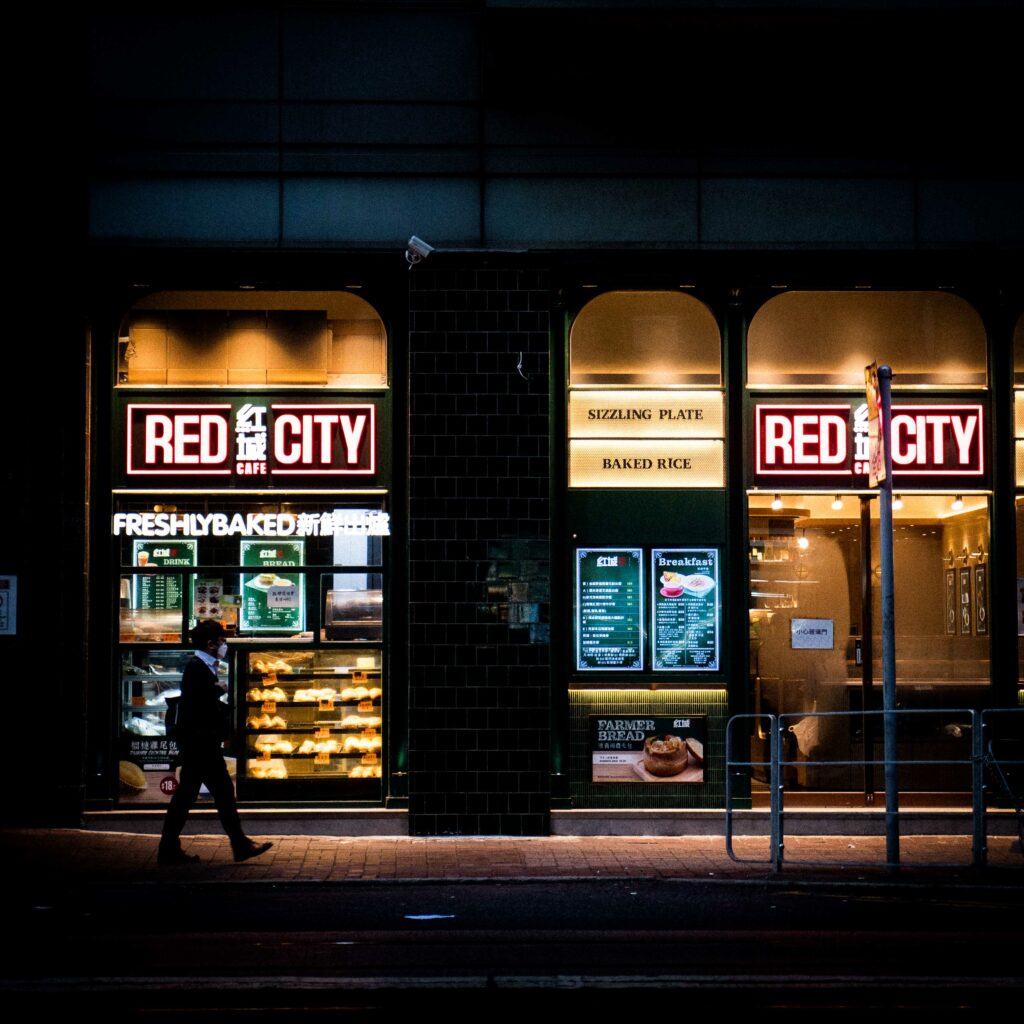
[416,249]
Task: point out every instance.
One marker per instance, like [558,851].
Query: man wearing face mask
[200,730]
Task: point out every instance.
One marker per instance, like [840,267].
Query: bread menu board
[273,601]
[162,591]
[687,609]
[647,748]
[609,609]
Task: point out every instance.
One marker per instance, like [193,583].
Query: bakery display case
[148,677]
[312,716]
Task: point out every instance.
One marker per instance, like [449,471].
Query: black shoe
[250,850]
[178,856]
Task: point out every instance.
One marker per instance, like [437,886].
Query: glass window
[253,562]
[653,339]
[252,338]
[807,642]
[825,339]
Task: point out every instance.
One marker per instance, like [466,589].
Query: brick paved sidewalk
[83,856]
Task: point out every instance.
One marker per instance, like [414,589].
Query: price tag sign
[369,734]
[359,677]
[322,758]
[138,702]
[326,705]
[364,706]
[370,758]
[265,753]
[269,707]
[322,734]
[283,597]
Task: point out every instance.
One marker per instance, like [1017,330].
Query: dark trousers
[199,767]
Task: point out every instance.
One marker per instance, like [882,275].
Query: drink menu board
[163,591]
[609,609]
[273,601]
[687,609]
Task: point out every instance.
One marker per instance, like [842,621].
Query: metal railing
[983,756]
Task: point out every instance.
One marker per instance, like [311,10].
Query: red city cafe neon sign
[819,440]
[251,440]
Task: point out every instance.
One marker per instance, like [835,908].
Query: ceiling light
[777,502]
[958,503]
[837,503]
[897,503]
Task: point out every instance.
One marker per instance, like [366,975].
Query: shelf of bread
[276,768]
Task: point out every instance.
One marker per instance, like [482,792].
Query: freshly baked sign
[247,439]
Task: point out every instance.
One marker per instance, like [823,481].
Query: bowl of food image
[665,755]
[698,583]
[672,584]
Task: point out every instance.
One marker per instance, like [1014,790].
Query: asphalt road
[228,949]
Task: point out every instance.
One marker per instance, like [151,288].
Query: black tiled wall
[479,656]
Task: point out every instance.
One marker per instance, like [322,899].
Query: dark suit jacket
[202,717]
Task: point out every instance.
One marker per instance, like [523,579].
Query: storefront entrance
[815,633]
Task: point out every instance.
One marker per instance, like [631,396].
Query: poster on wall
[146,772]
[687,609]
[273,601]
[609,609]
[162,592]
[981,600]
[966,610]
[648,748]
[950,603]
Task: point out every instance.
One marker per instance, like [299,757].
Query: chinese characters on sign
[687,609]
[272,601]
[648,748]
[274,440]
[797,440]
[609,608]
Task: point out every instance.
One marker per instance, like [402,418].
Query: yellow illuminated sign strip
[627,463]
[634,413]
[1018,414]
[1020,463]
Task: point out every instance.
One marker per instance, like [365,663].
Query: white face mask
[222,651]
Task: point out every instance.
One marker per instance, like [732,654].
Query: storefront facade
[525,486]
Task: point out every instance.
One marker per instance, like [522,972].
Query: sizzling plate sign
[831,440]
[232,440]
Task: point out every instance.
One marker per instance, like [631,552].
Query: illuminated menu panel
[609,609]
[668,414]
[640,464]
[687,609]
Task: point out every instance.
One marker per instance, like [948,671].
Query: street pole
[892,823]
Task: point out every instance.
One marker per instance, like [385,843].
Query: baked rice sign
[647,748]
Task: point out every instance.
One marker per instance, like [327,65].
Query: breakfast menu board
[161,591]
[609,609]
[273,601]
[687,609]
[647,748]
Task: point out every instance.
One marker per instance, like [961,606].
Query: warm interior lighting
[776,503]
[802,542]
[837,503]
[958,503]
[897,503]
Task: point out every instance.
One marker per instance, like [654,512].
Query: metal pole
[775,775]
[867,651]
[892,821]
[979,845]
